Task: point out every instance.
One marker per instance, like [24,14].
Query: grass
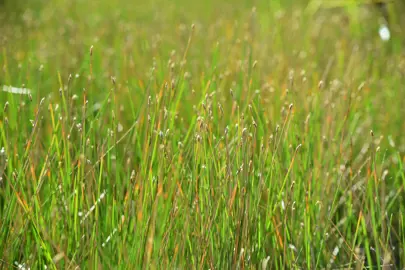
[172,134]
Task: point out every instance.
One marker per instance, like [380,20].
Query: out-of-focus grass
[179,134]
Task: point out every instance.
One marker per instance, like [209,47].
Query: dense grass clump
[200,135]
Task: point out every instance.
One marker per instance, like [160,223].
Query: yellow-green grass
[200,135]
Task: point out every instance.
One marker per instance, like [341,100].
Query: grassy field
[200,135]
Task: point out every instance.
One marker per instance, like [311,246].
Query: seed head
[254,64]
[254,124]
[320,85]
[220,108]
[361,86]
[244,131]
[187,75]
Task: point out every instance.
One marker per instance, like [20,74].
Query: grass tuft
[200,135]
